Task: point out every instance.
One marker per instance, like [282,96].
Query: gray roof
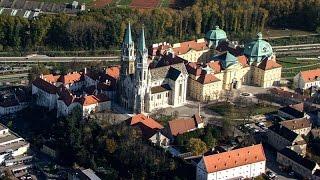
[284,132]
[170,71]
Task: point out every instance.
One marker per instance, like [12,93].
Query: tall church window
[144,75]
[180,90]
[140,74]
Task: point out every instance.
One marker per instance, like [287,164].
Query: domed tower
[258,50]
[214,37]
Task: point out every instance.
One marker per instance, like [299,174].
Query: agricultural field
[291,65]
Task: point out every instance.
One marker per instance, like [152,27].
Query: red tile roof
[147,121]
[51,78]
[215,65]
[92,99]
[295,124]
[243,60]
[207,78]
[268,64]
[70,78]
[186,46]
[183,125]
[311,75]
[113,72]
[234,158]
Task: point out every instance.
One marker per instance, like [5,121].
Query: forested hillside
[101,29]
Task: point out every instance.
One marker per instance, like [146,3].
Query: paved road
[58,59]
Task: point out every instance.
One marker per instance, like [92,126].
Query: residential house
[247,162]
[293,111]
[151,129]
[12,146]
[13,100]
[184,125]
[301,126]
[307,79]
[281,137]
[300,165]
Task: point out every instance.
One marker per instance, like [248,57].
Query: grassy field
[232,112]
[292,66]
[269,32]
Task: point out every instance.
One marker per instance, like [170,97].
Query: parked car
[270,175]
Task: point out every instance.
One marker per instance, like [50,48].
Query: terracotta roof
[92,99]
[234,158]
[186,46]
[215,65]
[70,78]
[311,75]
[194,68]
[207,78]
[147,121]
[268,64]
[113,72]
[51,78]
[181,126]
[198,118]
[298,107]
[296,123]
[243,60]
[45,86]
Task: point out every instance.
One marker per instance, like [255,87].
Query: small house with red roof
[183,125]
[307,79]
[151,129]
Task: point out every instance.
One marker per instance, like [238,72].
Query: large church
[143,88]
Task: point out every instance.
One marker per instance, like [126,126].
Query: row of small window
[159,96]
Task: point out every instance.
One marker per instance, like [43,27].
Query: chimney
[41,76]
[85,70]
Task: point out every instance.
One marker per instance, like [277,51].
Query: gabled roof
[268,64]
[162,88]
[183,125]
[297,123]
[92,99]
[207,78]
[113,72]
[71,78]
[307,163]
[243,60]
[292,111]
[184,47]
[147,121]
[163,72]
[215,65]
[284,132]
[310,75]
[234,158]
[45,86]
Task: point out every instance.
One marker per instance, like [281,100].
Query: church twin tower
[134,73]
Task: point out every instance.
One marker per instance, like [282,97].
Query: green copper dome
[258,48]
[216,34]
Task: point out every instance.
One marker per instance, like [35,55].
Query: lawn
[123,2]
[296,65]
[269,32]
[230,111]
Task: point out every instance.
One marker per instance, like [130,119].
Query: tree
[196,146]
[210,140]
[111,145]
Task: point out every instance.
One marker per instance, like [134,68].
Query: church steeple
[127,53]
[128,36]
[142,42]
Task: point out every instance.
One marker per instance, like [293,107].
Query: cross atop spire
[142,42]
[128,36]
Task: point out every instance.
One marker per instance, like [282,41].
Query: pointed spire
[128,37]
[142,41]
